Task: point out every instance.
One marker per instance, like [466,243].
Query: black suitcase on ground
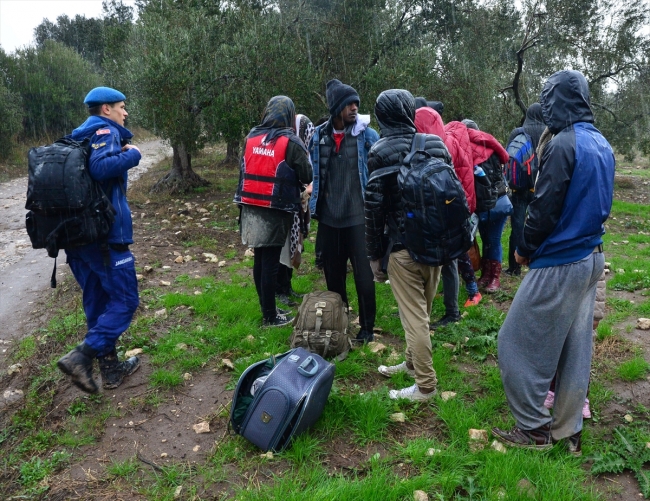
[287,403]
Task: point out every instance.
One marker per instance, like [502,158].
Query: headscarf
[278,120]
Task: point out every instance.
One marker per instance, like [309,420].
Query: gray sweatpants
[548,329]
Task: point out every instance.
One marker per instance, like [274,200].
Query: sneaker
[113,371]
[550,399]
[389,370]
[586,411]
[280,311]
[283,298]
[447,319]
[538,439]
[474,300]
[280,320]
[79,366]
[411,393]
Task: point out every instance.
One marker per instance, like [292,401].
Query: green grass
[634,369]
[385,460]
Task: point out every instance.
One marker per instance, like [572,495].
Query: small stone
[187,258]
[164,440]
[181,346]
[161,313]
[221,264]
[197,293]
[177,492]
[132,353]
[179,260]
[267,455]
[628,418]
[15,368]
[449,346]
[433,452]
[398,417]
[643,324]
[376,347]
[130,423]
[187,376]
[176,253]
[163,455]
[249,253]
[139,277]
[166,267]
[226,362]
[250,338]
[148,269]
[498,446]
[165,283]
[620,270]
[608,264]
[202,427]
[209,255]
[12,396]
[526,488]
[196,448]
[447,395]
[165,221]
[420,496]
[478,439]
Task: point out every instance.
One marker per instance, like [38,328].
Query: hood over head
[534,123]
[395,112]
[429,121]
[278,120]
[565,100]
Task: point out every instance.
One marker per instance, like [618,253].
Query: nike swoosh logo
[450,201]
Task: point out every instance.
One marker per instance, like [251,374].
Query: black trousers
[265,274]
[338,245]
[283,286]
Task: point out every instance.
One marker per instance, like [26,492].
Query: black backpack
[67,207]
[521,170]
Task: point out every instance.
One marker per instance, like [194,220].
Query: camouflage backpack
[321,325]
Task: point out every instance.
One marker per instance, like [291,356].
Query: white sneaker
[411,393]
[388,371]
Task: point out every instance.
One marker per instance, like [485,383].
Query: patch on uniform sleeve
[97,145]
[103,131]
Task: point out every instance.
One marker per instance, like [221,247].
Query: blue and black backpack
[521,169]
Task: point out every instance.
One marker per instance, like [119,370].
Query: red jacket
[483,145]
[429,121]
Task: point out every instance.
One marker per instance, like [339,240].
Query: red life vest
[266,180]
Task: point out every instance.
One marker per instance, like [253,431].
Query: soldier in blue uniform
[106,270]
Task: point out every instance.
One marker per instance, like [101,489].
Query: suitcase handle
[302,368]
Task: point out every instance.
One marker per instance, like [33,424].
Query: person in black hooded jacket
[414,285]
[533,126]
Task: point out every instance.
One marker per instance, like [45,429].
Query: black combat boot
[78,364]
[113,371]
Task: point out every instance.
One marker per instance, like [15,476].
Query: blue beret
[102,95]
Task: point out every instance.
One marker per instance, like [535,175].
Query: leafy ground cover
[199,327]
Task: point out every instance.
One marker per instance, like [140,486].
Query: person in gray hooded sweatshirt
[548,328]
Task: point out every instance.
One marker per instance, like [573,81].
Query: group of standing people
[557,232]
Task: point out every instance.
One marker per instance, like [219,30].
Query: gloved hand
[379,274]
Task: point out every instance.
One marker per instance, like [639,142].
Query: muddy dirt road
[25,272]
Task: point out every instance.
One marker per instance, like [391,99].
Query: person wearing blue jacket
[105,271]
[548,328]
[339,156]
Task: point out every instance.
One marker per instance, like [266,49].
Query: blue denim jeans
[490,227]
[520,200]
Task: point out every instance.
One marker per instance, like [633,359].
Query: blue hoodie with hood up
[109,163]
[575,186]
